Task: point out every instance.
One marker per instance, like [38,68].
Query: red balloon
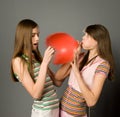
[64,46]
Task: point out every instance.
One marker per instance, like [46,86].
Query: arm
[35,89]
[55,81]
[60,75]
[91,95]
[63,72]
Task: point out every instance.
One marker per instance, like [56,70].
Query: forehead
[86,34]
[35,30]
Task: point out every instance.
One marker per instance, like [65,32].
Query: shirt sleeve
[103,68]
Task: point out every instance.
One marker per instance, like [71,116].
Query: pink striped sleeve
[103,68]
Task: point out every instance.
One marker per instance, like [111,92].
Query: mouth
[35,44]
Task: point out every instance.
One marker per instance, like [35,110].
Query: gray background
[70,16]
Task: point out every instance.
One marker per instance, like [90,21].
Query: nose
[83,37]
[36,37]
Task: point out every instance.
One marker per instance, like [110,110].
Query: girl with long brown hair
[88,72]
[29,68]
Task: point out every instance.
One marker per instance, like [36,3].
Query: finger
[81,56]
[71,63]
[50,49]
[75,58]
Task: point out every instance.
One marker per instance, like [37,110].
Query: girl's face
[88,42]
[35,38]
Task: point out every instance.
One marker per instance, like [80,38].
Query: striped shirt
[49,99]
[73,102]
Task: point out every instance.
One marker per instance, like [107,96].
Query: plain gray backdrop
[70,16]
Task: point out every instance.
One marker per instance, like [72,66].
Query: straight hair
[101,35]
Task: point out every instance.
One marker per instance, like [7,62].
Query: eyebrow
[36,33]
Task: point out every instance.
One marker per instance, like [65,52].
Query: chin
[34,49]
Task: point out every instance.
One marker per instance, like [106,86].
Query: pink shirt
[87,73]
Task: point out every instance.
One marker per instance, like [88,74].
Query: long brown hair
[101,35]
[23,43]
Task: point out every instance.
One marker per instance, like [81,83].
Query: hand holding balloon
[64,46]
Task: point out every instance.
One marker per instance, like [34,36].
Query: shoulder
[18,64]
[19,67]
[103,68]
[16,60]
[103,62]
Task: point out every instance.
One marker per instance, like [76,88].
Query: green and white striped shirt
[49,99]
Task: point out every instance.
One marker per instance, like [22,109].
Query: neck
[92,59]
[92,54]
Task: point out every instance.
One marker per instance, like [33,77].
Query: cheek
[85,44]
[33,40]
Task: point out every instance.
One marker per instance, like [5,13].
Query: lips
[35,44]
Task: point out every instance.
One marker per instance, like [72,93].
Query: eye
[33,34]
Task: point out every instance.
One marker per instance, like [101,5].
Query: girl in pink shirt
[88,72]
